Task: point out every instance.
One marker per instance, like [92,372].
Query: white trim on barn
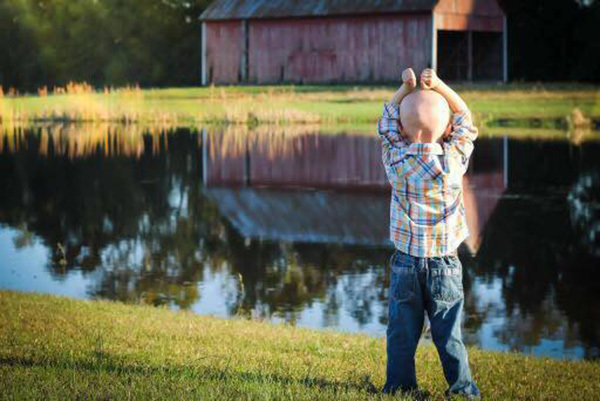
[203,51]
[204,156]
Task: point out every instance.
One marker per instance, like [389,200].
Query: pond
[290,224]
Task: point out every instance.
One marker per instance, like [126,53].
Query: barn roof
[327,217]
[242,9]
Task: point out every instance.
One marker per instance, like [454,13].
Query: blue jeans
[433,285]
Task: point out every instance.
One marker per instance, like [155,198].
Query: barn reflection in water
[349,203]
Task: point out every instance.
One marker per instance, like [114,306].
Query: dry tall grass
[80,102]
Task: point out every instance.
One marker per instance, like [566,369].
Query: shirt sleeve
[461,138]
[393,143]
[388,126]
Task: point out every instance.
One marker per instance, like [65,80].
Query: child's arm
[463,131]
[409,82]
[388,126]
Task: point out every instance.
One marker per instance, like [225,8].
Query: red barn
[336,41]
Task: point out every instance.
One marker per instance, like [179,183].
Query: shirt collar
[425,148]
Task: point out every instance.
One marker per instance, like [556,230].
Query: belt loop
[422,264]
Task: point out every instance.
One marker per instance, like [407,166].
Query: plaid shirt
[427,213]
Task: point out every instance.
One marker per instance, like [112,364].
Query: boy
[426,151]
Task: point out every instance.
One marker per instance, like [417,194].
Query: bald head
[424,115]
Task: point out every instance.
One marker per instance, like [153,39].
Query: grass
[55,348]
[281,104]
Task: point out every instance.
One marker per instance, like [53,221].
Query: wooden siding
[349,49]
[223,51]
[473,15]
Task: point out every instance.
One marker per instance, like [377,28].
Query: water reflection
[291,224]
[326,162]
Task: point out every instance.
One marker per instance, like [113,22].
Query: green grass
[323,104]
[55,348]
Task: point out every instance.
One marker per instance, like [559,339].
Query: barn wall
[348,49]
[455,22]
[223,51]
[474,15]
[484,8]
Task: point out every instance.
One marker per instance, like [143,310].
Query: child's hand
[409,79]
[429,79]
[409,82]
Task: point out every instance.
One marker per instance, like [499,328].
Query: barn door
[487,56]
[453,55]
[482,50]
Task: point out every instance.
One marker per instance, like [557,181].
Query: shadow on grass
[350,100]
[110,364]
[345,87]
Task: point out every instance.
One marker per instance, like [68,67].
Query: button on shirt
[427,212]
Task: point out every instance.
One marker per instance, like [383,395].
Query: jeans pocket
[447,280]
[402,282]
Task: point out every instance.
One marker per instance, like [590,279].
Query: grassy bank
[283,104]
[58,348]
